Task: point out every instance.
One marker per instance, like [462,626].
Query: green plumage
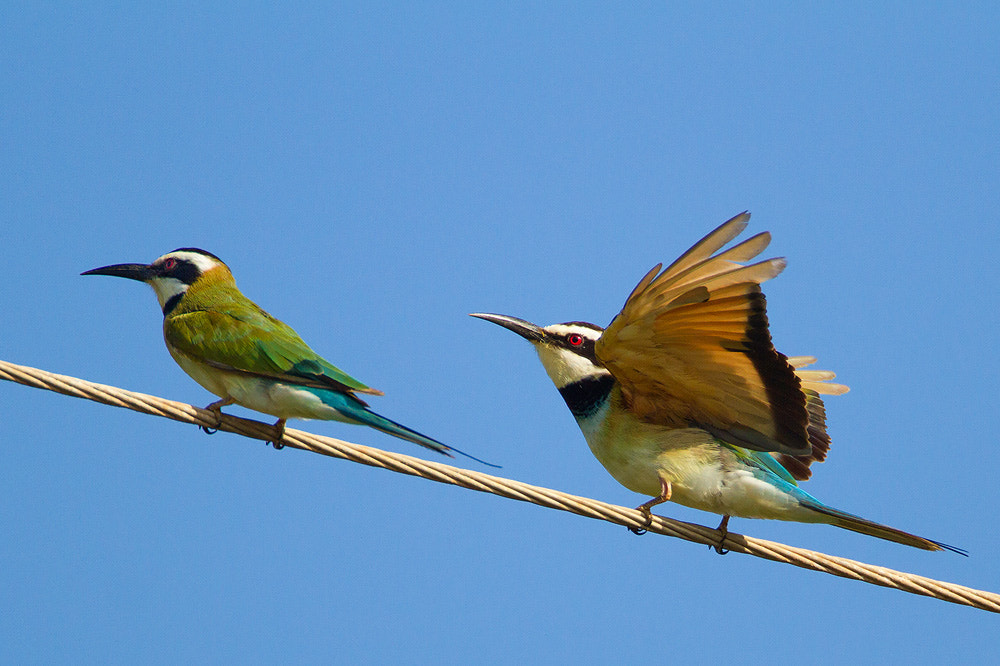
[760,460]
[235,350]
[217,325]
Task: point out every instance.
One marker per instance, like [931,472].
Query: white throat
[166,288]
[564,367]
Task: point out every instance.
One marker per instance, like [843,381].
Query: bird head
[567,351]
[170,276]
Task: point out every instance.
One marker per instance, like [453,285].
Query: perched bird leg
[724,528]
[217,408]
[664,496]
[279,429]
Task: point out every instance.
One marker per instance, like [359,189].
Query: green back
[220,326]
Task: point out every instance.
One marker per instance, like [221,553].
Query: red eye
[575,339]
[169,264]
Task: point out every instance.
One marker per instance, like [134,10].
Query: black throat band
[172,303]
[585,396]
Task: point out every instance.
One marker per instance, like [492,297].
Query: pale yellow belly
[267,396]
[702,473]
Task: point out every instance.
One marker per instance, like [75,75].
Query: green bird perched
[239,352]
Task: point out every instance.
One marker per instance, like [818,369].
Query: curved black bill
[140,272]
[525,329]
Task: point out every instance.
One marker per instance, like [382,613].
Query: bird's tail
[390,427]
[360,414]
[849,521]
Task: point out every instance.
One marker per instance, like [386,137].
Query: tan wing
[814,383]
[691,346]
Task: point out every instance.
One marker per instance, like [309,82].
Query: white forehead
[566,329]
[201,261]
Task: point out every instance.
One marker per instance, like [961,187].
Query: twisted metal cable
[553,499]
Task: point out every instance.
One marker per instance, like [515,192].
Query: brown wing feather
[814,382]
[692,346]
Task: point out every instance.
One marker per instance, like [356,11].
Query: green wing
[760,460]
[244,338]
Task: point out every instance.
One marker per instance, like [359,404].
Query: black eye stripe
[182,270]
[589,333]
[586,348]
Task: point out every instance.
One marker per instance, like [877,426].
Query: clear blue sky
[372,173]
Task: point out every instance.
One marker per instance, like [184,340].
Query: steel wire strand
[511,489]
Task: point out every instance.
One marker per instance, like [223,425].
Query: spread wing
[242,337]
[691,346]
[814,383]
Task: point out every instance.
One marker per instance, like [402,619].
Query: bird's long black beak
[140,272]
[525,329]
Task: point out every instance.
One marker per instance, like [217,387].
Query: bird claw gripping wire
[724,529]
[279,429]
[216,408]
[639,531]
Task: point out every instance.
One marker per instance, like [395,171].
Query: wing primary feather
[714,280]
[696,295]
[801,361]
[748,249]
[712,242]
[644,282]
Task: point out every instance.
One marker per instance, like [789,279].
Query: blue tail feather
[849,521]
[359,413]
[765,467]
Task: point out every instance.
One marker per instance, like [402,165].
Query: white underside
[284,401]
[702,474]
